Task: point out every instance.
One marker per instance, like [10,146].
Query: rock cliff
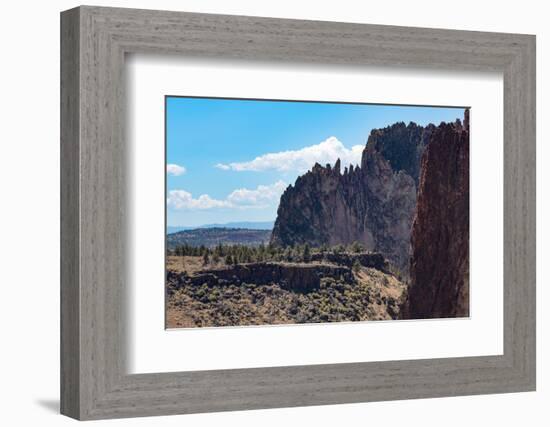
[293,277]
[370,259]
[373,203]
[439,269]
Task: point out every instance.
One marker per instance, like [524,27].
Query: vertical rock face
[439,269]
[402,146]
[373,204]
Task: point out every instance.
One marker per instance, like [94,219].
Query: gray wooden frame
[94,41]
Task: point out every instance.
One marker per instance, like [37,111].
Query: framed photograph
[322,232]
[262,213]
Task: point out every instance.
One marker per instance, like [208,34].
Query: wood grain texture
[70,314]
[94,382]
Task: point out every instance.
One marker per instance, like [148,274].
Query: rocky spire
[337,166]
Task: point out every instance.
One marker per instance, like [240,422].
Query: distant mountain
[250,225]
[213,236]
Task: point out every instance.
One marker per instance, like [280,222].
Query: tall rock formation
[402,146]
[373,204]
[439,269]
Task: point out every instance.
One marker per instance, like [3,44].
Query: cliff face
[373,204]
[294,277]
[439,268]
[402,146]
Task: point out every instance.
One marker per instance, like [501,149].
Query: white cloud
[223,166]
[242,198]
[175,170]
[181,199]
[261,195]
[301,160]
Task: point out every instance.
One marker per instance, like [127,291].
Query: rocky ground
[335,293]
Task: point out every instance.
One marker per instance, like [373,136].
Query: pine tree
[288,254]
[306,254]
[261,251]
[219,250]
[215,258]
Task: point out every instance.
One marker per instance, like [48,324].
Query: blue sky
[229,160]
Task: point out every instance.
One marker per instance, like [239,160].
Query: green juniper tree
[306,253]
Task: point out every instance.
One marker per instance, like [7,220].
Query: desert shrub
[338,249]
[356,247]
